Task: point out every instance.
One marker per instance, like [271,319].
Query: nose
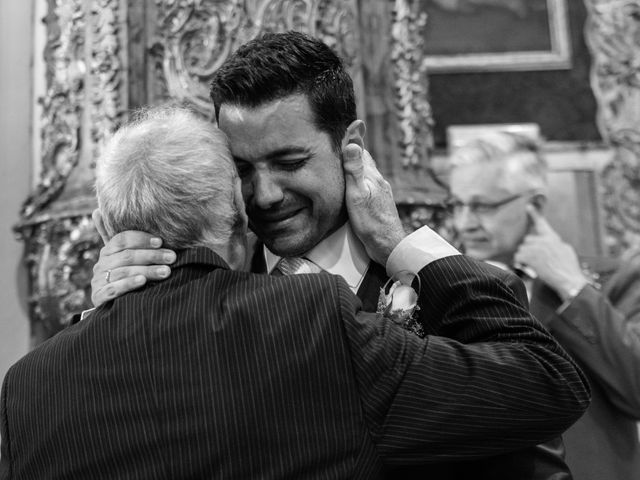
[465,219]
[265,190]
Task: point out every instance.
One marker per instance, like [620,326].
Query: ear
[539,200]
[355,134]
[96,216]
[236,250]
[238,202]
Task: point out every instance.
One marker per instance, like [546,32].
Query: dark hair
[277,65]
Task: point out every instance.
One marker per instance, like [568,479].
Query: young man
[287,105]
[499,185]
[217,373]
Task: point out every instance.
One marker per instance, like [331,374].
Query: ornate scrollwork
[338,28]
[87,97]
[106,72]
[621,182]
[410,84]
[194,37]
[613,35]
[62,103]
[60,257]
[84,84]
[414,216]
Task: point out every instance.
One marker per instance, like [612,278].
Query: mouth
[474,241]
[276,220]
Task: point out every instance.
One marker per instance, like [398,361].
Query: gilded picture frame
[496,35]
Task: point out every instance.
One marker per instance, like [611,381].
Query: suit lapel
[544,302]
[372,282]
[258,263]
[369,290]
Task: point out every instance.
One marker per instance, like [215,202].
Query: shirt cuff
[573,312]
[418,250]
[85,313]
[572,296]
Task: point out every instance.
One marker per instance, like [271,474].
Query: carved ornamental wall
[106,57]
[613,35]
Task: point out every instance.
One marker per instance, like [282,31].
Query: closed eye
[290,165]
[244,168]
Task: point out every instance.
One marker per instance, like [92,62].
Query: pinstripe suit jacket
[601,330]
[535,462]
[222,374]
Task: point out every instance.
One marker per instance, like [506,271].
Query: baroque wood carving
[399,125]
[613,35]
[105,57]
[194,37]
[82,104]
[410,83]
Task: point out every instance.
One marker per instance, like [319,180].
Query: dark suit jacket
[536,462]
[221,374]
[601,330]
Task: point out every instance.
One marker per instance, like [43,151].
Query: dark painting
[493,35]
[560,101]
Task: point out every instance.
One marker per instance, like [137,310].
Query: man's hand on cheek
[126,262]
[372,211]
[554,261]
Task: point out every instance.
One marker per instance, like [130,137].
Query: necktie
[527,275]
[295,266]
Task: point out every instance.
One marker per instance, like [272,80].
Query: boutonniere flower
[398,301]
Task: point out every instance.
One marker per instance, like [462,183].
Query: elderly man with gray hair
[173,175]
[219,373]
[591,305]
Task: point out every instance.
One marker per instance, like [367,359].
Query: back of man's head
[519,155]
[168,173]
[277,65]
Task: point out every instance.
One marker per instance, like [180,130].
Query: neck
[506,259]
[233,251]
[341,221]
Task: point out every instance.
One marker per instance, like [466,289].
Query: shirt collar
[526,274]
[341,253]
[500,265]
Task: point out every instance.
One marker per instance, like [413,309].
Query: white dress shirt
[342,253]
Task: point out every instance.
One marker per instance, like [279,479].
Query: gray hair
[522,151]
[168,173]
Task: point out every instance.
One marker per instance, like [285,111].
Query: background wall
[560,101]
[15,169]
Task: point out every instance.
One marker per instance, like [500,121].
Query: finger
[115,289]
[370,167]
[353,165]
[526,250]
[96,216]
[534,244]
[132,258]
[531,239]
[538,222]
[521,257]
[131,239]
[154,272]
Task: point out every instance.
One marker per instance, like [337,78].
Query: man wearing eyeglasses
[498,185]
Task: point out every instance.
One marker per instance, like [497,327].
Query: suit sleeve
[5,458]
[602,331]
[486,379]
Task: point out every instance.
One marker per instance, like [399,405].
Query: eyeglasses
[482,208]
